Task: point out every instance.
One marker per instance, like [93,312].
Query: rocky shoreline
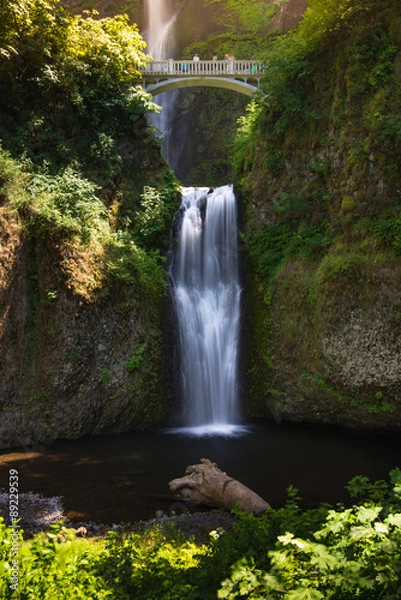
[38,514]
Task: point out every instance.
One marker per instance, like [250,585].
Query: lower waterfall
[206,292]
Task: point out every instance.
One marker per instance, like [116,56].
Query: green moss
[348,204]
[341,269]
[258,349]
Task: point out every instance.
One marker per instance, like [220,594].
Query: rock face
[70,367]
[322,333]
[337,355]
[326,333]
[288,15]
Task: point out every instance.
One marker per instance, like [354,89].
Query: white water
[207,300]
[160,20]
[159,36]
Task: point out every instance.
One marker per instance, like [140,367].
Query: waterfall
[160,20]
[207,301]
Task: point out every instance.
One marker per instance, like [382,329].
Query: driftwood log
[207,484]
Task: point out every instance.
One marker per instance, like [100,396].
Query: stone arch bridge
[242,76]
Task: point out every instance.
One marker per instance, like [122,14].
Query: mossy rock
[348,204]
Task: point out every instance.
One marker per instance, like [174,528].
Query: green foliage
[65,86]
[109,45]
[327,137]
[138,358]
[66,206]
[389,232]
[69,105]
[66,202]
[105,375]
[242,155]
[320,553]
[53,565]
[273,245]
[343,266]
[13,179]
[27,25]
[354,553]
[250,16]
[366,67]
[149,567]
[130,264]
[154,214]
[389,495]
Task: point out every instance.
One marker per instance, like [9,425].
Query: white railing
[217,68]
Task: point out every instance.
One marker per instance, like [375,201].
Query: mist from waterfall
[159,35]
[207,301]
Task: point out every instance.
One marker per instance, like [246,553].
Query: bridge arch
[229,84]
[241,76]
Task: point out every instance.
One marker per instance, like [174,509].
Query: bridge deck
[207,68]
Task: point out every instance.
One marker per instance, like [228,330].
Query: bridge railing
[218,68]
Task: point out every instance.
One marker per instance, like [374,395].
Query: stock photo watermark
[13,511]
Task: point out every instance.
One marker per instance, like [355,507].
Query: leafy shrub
[291,206]
[55,565]
[245,125]
[13,178]
[354,553]
[130,264]
[315,554]
[273,245]
[66,205]
[148,567]
[66,202]
[151,219]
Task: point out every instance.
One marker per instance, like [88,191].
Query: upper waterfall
[160,19]
[159,35]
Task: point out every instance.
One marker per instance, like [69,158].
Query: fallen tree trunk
[207,484]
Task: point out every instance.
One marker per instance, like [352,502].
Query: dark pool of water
[124,478]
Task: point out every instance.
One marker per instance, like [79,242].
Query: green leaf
[305,594]
[368,514]
[394,519]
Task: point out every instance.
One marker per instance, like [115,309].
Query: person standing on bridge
[230,62]
[196,60]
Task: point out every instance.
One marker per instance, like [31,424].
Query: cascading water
[207,301]
[160,20]
[205,275]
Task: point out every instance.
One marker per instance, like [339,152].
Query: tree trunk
[207,484]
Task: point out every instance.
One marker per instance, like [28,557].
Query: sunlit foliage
[316,554]
[73,118]
[63,77]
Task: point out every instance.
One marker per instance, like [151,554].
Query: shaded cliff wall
[86,203]
[82,351]
[320,180]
